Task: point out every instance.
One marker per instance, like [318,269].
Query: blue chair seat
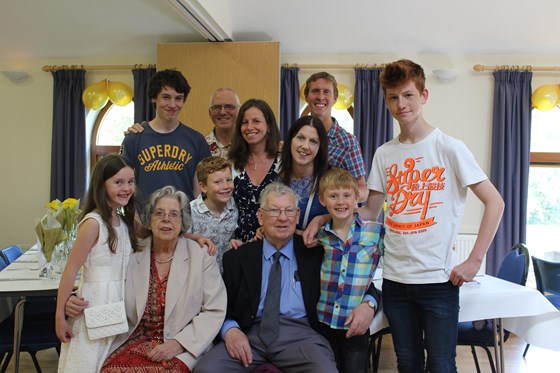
[472,336]
[554,299]
[11,253]
[3,263]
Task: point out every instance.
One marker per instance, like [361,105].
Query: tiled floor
[538,360]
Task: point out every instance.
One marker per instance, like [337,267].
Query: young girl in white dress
[105,238]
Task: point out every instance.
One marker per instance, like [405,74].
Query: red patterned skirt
[131,356]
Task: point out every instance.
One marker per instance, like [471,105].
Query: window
[543,203]
[108,130]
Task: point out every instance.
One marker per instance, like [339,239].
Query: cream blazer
[196,300]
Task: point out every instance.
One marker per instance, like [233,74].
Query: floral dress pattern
[302,188]
[246,195]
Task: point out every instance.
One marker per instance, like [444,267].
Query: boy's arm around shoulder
[373,206]
[493,210]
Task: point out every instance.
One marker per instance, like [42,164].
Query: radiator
[463,247]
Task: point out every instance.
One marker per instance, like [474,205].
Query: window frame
[544,159]
[96,152]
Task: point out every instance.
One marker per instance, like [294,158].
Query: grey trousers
[298,349]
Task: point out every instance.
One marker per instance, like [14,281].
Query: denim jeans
[351,354]
[423,316]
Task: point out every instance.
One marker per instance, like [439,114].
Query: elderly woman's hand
[75,306]
[165,351]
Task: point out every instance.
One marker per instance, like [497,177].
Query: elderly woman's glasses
[218,108]
[276,212]
[172,215]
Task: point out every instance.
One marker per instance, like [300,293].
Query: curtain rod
[333,66]
[480,68]
[48,68]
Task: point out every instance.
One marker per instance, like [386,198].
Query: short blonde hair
[338,178]
[210,165]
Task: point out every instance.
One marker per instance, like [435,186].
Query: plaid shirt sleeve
[347,270]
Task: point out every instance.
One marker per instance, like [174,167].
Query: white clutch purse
[106,320]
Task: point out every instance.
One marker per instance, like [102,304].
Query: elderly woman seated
[175,298]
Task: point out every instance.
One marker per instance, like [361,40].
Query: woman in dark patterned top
[254,155]
[304,161]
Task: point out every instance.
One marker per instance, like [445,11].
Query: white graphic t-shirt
[425,185]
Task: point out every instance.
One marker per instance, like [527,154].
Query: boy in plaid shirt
[351,256]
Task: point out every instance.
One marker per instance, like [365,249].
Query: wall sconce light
[16,76]
[445,75]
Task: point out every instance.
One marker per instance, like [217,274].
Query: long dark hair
[239,151]
[96,198]
[321,161]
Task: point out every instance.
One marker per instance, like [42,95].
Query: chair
[514,268]
[38,331]
[522,249]
[375,342]
[547,276]
[3,263]
[11,253]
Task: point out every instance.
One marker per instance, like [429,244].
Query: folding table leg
[18,326]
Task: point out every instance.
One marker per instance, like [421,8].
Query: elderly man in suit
[251,335]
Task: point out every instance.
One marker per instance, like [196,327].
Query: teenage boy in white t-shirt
[424,176]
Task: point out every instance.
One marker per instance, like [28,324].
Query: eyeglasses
[227,107]
[160,214]
[276,212]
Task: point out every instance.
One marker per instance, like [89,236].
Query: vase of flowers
[56,233]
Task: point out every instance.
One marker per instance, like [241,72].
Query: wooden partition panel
[252,69]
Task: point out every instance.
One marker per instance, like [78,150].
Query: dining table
[521,310]
[21,279]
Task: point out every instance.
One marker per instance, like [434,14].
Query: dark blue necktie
[271,310]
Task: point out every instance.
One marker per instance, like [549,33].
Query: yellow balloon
[301,94]
[345,97]
[119,93]
[546,97]
[95,96]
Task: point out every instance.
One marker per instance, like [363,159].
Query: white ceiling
[31,29]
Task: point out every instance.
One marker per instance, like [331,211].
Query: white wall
[25,143]
[461,108]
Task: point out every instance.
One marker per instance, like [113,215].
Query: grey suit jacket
[195,304]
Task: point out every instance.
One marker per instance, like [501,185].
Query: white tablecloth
[524,311]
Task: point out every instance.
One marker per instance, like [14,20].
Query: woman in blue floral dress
[304,161]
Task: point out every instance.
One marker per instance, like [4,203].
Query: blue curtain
[68,155]
[511,139]
[143,109]
[373,123]
[289,98]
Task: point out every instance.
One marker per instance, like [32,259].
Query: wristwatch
[370,304]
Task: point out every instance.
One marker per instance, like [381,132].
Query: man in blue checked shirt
[321,93]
